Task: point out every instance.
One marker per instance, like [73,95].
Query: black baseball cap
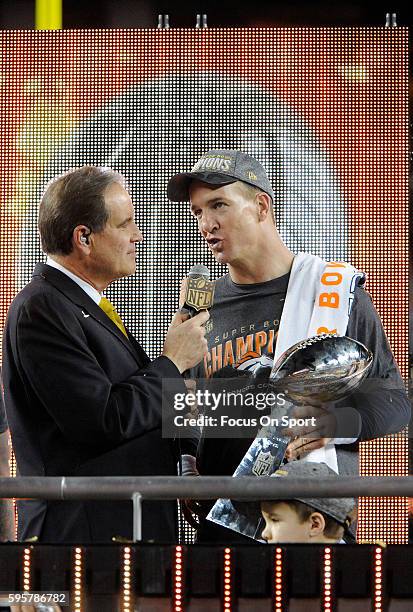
[220,167]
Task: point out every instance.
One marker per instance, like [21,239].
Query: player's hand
[309,437]
[185,342]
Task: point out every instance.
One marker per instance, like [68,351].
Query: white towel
[319,299]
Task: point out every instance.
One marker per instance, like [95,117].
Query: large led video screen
[324,109]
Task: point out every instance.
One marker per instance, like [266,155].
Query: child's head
[293,521]
[306,520]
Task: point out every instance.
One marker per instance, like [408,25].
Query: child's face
[282,524]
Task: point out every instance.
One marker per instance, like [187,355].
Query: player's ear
[264,205]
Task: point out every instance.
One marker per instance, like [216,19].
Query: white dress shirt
[91,291]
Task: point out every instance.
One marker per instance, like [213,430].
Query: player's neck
[273,260]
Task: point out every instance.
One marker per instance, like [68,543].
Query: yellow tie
[109,309]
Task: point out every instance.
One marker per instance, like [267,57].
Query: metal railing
[139,488]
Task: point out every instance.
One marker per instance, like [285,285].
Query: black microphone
[199,294]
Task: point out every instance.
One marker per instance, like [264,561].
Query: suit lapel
[88,307]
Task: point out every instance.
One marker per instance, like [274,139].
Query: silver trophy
[323,368]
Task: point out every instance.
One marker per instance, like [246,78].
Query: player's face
[113,249]
[282,524]
[228,219]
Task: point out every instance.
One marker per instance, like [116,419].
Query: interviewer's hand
[182,291]
[309,438]
[185,342]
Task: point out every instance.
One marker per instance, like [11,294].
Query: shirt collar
[87,288]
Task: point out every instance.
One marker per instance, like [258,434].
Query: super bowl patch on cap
[218,161]
[220,167]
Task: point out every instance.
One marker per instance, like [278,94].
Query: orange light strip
[327,597]
[278,577]
[78,579]
[178,586]
[126,579]
[378,580]
[26,569]
[227,580]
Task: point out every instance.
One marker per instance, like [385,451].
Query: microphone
[199,294]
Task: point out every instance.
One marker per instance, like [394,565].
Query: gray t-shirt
[243,326]
[241,334]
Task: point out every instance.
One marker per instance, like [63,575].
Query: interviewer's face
[113,249]
[228,220]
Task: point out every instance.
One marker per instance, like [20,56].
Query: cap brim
[178,185]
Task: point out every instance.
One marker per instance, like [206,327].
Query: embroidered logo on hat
[213,162]
[220,167]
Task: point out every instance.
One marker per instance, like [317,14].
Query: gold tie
[109,309]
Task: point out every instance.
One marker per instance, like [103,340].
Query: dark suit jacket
[82,399]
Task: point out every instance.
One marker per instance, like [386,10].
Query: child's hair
[333,529]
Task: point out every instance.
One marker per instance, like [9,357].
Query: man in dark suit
[81,395]
[6,505]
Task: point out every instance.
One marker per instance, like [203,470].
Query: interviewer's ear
[81,238]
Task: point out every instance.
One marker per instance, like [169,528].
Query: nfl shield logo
[199,293]
[263,464]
